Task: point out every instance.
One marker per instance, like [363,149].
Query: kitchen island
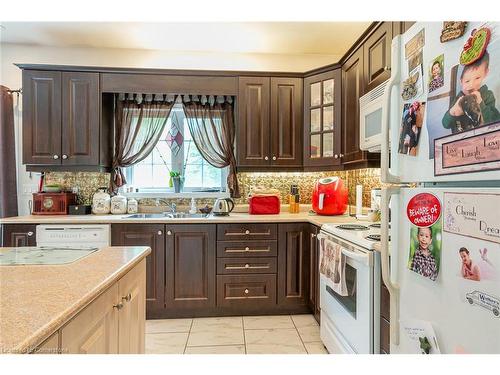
[79,307]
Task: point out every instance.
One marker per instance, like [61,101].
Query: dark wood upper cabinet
[377,56]
[253,121]
[80,118]
[293,265]
[353,89]
[190,267]
[18,235]
[322,120]
[151,235]
[41,117]
[286,122]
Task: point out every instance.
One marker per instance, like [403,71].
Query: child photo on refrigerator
[470,270]
[425,250]
[436,79]
[410,129]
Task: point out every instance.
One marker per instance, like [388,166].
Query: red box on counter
[264,205]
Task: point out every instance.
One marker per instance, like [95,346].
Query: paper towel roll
[359,200]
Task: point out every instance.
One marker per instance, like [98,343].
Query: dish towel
[332,266]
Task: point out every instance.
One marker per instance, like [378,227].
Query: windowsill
[187,194]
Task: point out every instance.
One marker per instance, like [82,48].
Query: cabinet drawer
[246,265]
[234,232]
[385,332]
[253,291]
[247,248]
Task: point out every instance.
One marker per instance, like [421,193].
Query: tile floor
[281,334]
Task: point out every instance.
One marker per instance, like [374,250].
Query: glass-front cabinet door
[322,116]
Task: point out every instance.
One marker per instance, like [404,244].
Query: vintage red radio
[52,203]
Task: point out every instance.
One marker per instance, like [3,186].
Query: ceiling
[325,38]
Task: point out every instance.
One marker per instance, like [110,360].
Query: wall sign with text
[472,151]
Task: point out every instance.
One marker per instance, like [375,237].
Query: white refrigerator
[440,165]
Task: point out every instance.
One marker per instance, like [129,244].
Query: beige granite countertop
[234,217]
[35,301]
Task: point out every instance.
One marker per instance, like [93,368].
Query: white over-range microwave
[370,119]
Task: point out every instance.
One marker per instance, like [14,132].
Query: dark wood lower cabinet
[293,265]
[385,319]
[190,267]
[314,271]
[249,293]
[151,235]
[18,235]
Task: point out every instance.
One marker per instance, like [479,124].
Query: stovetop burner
[352,227]
[375,225]
[373,237]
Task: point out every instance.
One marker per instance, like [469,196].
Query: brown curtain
[139,123]
[211,124]
[8,186]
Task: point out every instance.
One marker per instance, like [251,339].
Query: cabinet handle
[313,235]
[56,157]
[127,298]
[169,233]
[274,157]
[30,234]
[247,249]
[160,233]
[118,306]
[341,155]
[247,291]
[247,232]
[387,68]
[266,158]
[247,265]
[65,156]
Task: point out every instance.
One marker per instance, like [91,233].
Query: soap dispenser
[193,208]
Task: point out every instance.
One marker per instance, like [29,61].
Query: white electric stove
[350,324]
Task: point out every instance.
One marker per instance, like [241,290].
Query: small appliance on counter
[223,206]
[80,209]
[52,203]
[329,196]
[264,202]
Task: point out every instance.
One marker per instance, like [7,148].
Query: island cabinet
[190,268]
[18,235]
[61,121]
[293,267]
[269,123]
[322,120]
[113,323]
[151,235]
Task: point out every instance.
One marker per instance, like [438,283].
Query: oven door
[352,315]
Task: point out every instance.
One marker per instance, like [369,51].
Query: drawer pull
[118,306]
[247,232]
[127,298]
[246,267]
[247,291]
[246,248]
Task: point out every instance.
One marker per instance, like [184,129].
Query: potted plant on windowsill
[176,181]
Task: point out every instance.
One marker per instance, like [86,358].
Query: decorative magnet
[410,87]
[423,210]
[475,46]
[425,345]
[452,30]
[485,301]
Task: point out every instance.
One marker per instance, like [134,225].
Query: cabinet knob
[336,156]
[127,298]
[313,235]
[65,156]
[247,248]
[387,68]
[266,158]
[247,232]
[160,233]
[341,155]
[56,157]
[274,157]
[118,306]
[169,233]
[247,291]
[30,234]
[247,265]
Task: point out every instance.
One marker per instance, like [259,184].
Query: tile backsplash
[88,182]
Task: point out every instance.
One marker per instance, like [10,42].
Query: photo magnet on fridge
[474,86]
[422,335]
[411,127]
[436,73]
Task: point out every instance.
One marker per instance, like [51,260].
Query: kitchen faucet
[173,207]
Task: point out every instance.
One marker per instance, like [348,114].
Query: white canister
[101,202]
[118,205]
[132,206]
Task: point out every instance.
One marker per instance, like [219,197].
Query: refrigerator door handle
[386,175]
[392,286]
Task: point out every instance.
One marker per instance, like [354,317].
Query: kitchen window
[152,175]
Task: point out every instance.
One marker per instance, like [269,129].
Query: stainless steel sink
[167,215]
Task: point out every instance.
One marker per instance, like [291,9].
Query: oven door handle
[362,258]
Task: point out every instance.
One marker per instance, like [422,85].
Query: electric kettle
[223,206]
